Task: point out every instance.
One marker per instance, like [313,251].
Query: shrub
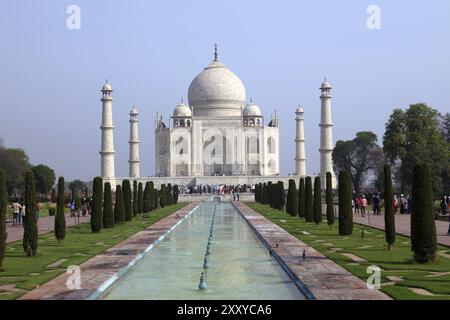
[317,206]
[60,218]
[140,198]
[292,199]
[126,191]
[97,199]
[30,234]
[389,218]
[423,227]
[3,207]
[309,213]
[51,212]
[345,204]
[135,198]
[119,208]
[108,214]
[176,192]
[329,199]
[301,199]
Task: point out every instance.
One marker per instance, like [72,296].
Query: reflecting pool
[239,265]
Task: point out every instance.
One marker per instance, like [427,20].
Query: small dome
[182,110]
[107,87]
[252,110]
[325,84]
[134,111]
[300,110]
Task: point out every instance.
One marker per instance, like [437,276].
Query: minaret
[300,158]
[326,135]
[107,153]
[134,144]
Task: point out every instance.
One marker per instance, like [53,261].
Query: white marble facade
[217,134]
[217,137]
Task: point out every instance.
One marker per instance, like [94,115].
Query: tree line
[419,133]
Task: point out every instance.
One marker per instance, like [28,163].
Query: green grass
[396,262]
[80,245]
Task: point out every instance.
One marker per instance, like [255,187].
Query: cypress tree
[309,213]
[345,204]
[108,214]
[126,191]
[140,198]
[423,227]
[176,192]
[60,218]
[119,207]
[269,193]
[317,207]
[151,194]
[264,194]
[97,204]
[389,218]
[281,196]
[147,205]
[301,199]
[156,198]
[169,197]
[162,200]
[292,199]
[329,199]
[135,198]
[30,234]
[3,207]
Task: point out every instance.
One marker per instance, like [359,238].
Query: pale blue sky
[150,51]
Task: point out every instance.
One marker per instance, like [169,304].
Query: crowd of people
[216,189]
[402,204]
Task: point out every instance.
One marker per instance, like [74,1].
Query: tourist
[395,203]
[72,208]
[402,204]
[443,206]
[238,196]
[409,204]
[16,211]
[234,196]
[357,204]
[22,215]
[363,205]
[376,204]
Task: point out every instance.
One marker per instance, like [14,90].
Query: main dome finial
[216,55]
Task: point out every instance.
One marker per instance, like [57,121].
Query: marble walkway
[403,225]
[45,225]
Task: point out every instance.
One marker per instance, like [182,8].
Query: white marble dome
[134,111]
[252,110]
[182,110]
[216,91]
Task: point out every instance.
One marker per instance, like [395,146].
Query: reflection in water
[239,266]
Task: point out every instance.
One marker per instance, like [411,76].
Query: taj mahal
[217,138]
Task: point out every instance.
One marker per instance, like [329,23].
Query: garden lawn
[26,273]
[406,277]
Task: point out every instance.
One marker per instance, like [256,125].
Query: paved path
[403,225]
[323,277]
[103,267]
[45,225]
